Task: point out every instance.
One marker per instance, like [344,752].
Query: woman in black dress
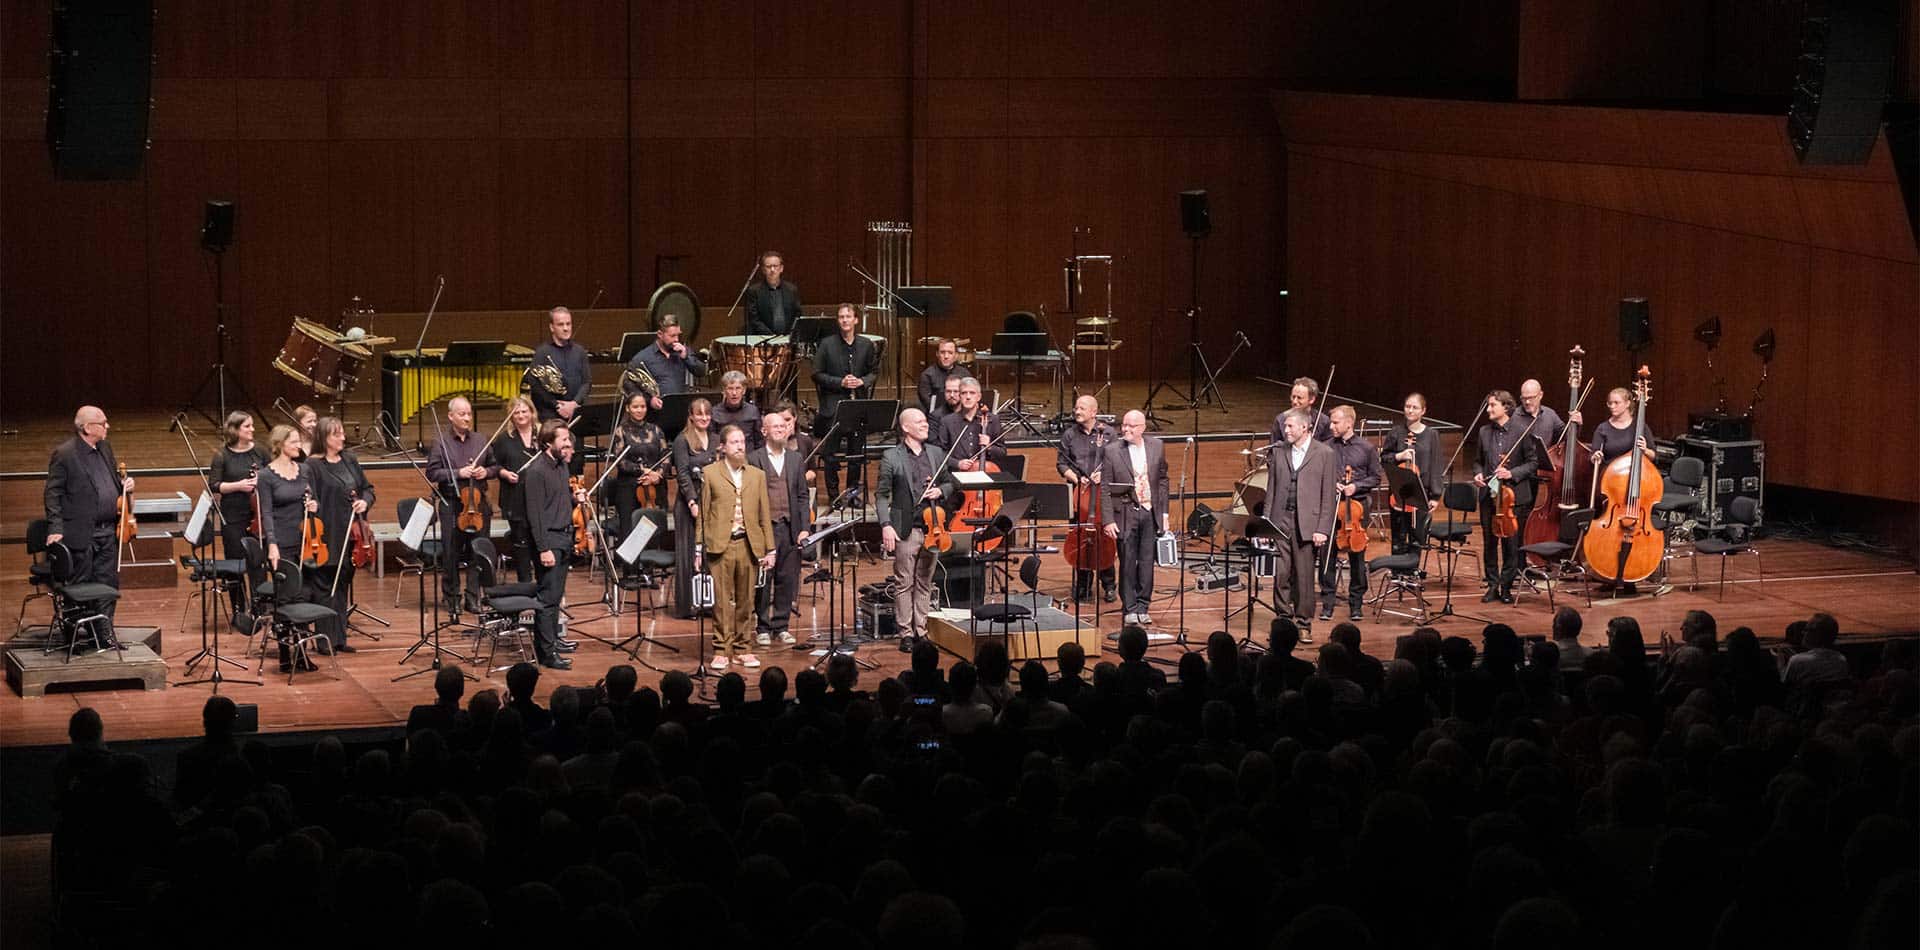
[342,489]
[645,447]
[510,451]
[1424,454]
[233,475]
[693,450]
[1612,438]
[286,495]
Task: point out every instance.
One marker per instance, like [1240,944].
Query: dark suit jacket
[896,494]
[73,506]
[793,479]
[758,307]
[1523,462]
[836,359]
[1117,474]
[1314,509]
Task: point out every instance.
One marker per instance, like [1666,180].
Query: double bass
[1623,544]
[1087,547]
[1543,524]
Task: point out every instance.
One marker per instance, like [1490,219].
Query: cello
[1543,524]
[1623,543]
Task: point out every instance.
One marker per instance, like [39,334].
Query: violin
[1350,521]
[313,536]
[1505,523]
[1623,543]
[933,517]
[471,519]
[253,472]
[654,495]
[127,529]
[583,542]
[360,538]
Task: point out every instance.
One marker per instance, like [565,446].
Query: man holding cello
[1503,469]
[1359,464]
[1078,459]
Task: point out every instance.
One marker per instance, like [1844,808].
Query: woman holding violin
[1503,470]
[457,464]
[1414,445]
[693,450]
[640,480]
[507,456]
[345,495]
[1359,462]
[285,489]
[234,474]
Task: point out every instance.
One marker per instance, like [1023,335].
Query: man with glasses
[82,496]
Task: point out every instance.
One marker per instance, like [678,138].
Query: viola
[313,536]
[1350,528]
[1394,502]
[127,529]
[1623,543]
[934,519]
[583,542]
[253,472]
[360,538]
[471,519]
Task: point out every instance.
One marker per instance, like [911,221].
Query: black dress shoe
[1490,596]
[1109,595]
[1506,597]
[1354,612]
[307,665]
[557,663]
[567,646]
[346,648]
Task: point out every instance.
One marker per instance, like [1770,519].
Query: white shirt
[1299,456]
[778,460]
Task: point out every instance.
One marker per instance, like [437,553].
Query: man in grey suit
[792,519]
[1300,487]
[1134,471]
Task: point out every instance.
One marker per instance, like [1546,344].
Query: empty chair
[1742,515]
[79,609]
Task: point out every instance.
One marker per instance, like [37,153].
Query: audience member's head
[1822,632]
[1698,629]
[522,679]
[85,728]
[218,716]
[1282,636]
[1033,680]
[773,685]
[1133,643]
[449,684]
[962,677]
[622,680]
[676,687]
[1070,659]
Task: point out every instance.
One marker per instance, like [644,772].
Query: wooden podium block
[1036,639]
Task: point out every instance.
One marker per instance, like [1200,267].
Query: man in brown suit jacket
[1300,487]
[737,529]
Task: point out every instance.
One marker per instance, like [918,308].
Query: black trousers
[525,556]
[1136,559]
[233,548]
[1083,582]
[851,446]
[776,609]
[322,590]
[1500,558]
[457,547]
[1356,576]
[1404,525]
[552,590]
[100,563]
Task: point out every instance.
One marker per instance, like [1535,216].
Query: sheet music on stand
[415,530]
[197,522]
[636,540]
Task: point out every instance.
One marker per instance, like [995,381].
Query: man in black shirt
[844,367]
[1302,397]
[1079,457]
[668,361]
[907,477]
[1352,453]
[734,409]
[454,462]
[559,376]
[1511,457]
[933,379]
[771,304]
[82,501]
[550,500]
[973,434]
[948,403]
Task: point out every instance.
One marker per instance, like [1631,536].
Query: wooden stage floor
[1871,595]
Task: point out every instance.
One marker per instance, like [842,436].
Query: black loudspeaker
[1846,59]
[1636,323]
[99,87]
[1194,217]
[216,228]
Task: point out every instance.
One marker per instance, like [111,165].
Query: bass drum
[679,300]
[317,357]
[1250,492]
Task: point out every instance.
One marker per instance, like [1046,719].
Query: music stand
[926,303]
[671,417]
[632,343]
[809,331]
[856,418]
[1253,527]
[1022,347]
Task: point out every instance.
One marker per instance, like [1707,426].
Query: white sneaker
[749,661]
[763,640]
[786,638]
[1129,618]
[1146,620]
[719,663]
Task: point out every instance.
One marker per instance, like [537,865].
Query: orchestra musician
[949,402]
[507,456]
[1300,493]
[83,502]
[791,517]
[907,477]
[933,379]
[1499,438]
[1135,475]
[1533,406]
[1612,438]
[772,303]
[672,365]
[1424,455]
[735,409]
[286,496]
[233,474]
[342,489]
[964,433]
[737,531]
[645,446]
[844,367]
[1303,395]
[459,459]
[693,451]
[1081,453]
[560,376]
[304,419]
[1352,452]
[549,501]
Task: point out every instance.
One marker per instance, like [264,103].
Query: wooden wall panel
[563,39]
[194,38]
[692,39]
[1621,49]
[440,39]
[181,178]
[289,39]
[846,38]
[563,224]
[24,29]
[283,254]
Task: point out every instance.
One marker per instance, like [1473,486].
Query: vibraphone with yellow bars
[411,379]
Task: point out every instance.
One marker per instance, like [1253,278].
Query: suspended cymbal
[1095,322]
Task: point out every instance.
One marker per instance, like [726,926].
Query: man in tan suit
[1300,487]
[737,529]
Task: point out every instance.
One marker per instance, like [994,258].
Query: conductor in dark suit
[792,520]
[1511,454]
[844,367]
[1134,471]
[1300,492]
[82,500]
[772,303]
